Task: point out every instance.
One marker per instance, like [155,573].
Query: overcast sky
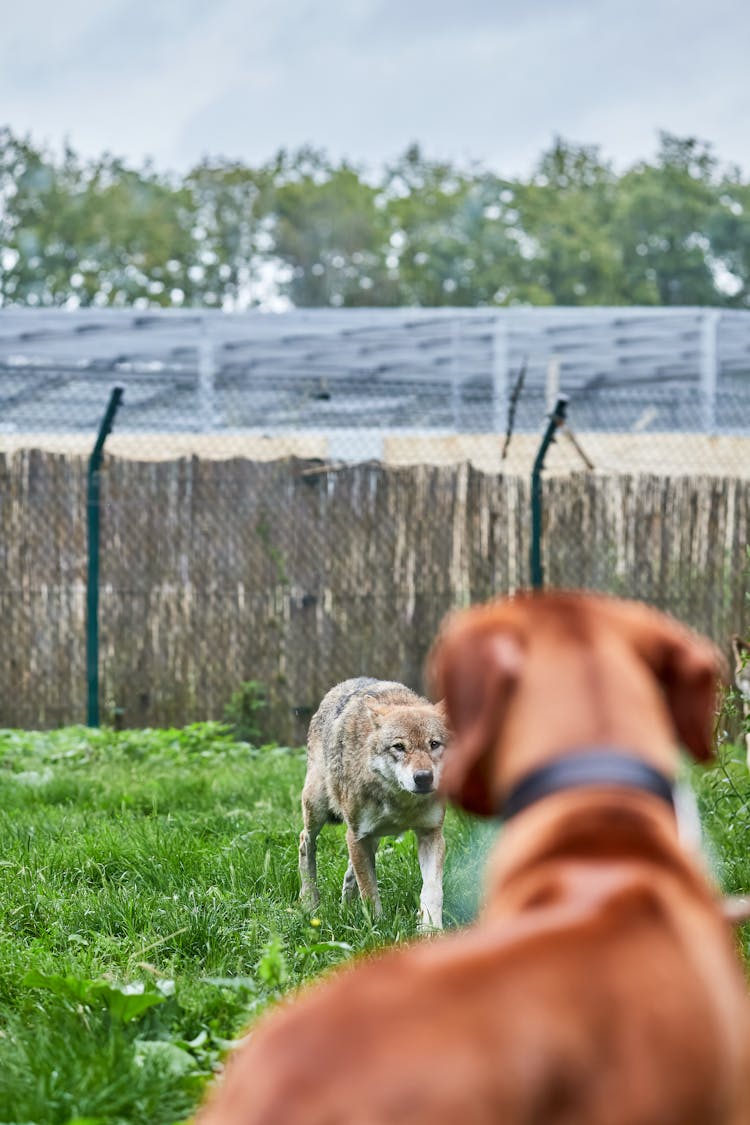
[487,80]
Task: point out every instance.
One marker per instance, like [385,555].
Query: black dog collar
[595,766]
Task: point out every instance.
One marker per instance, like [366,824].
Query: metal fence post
[556,419]
[207,378]
[500,376]
[456,373]
[92,588]
[709,367]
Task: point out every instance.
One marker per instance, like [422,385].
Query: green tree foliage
[673,230]
[563,219]
[93,232]
[728,231]
[233,209]
[450,240]
[662,219]
[330,230]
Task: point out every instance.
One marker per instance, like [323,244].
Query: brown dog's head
[488,659]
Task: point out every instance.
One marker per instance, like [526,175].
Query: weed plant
[244,713]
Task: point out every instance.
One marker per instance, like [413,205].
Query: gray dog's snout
[423,781]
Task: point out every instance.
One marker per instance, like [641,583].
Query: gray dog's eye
[435,743]
[400,746]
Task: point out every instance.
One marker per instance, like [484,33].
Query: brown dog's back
[604,999]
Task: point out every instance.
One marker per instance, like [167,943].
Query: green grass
[148,909]
[723,793]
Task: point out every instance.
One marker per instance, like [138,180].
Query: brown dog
[600,986]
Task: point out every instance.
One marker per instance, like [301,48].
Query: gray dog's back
[335,702]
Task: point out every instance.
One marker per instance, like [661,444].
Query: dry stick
[513,403]
[318,470]
[334,467]
[161,940]
[576,445]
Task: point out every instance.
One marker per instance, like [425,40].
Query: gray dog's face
[742,680]
[407,748]
[741,650]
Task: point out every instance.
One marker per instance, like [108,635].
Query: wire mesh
[298,499]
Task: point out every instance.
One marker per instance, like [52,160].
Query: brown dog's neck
[596,826]
[581,768]
[515,760]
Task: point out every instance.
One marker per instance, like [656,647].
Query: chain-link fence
[296,499]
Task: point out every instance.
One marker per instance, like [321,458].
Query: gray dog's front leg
[362,862]
[431,853]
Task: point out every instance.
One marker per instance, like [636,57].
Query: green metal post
[92,589]
[556,419]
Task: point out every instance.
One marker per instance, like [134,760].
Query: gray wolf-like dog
[741,653]
[374,756]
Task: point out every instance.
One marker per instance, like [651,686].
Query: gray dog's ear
[740,651]
[476,675]
[377,711]
[442,710]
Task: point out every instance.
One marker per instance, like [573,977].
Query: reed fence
[297,574]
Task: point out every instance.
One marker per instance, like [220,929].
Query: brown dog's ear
[691,680]
[689,669]
[476,675]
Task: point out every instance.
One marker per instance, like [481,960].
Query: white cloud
[486,79]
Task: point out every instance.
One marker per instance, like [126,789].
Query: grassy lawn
[148,909]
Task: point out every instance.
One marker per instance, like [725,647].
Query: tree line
[78,232]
